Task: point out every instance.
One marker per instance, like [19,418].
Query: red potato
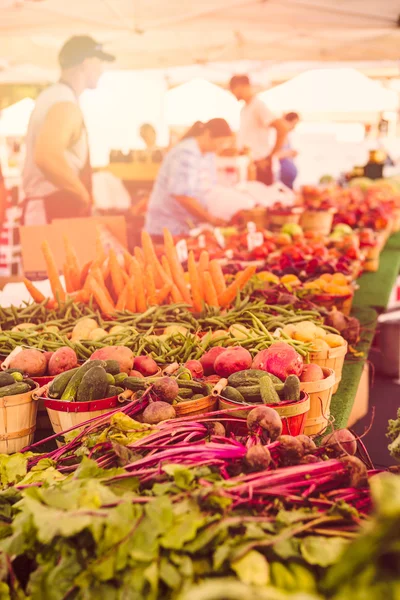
[232,360]
[62,360]
[208,359]
[121,354]
[134,373]
[146,365]
[196,368]
[31,362]
[312,372]
[280,359]
[48,356]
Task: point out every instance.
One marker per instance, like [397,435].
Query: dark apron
[63,204]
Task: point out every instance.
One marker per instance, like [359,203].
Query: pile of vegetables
[129,509]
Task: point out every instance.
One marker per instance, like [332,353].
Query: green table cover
[375,288]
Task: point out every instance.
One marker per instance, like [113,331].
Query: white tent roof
[199,100]
[26,74]
[14,119]
[163,33]
[331,91]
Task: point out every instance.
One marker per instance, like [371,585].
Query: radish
[232,360]
[208,359]
[280,359]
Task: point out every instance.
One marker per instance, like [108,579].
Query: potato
[289,329]
[32,362]
[97,334]
[122,354]
[117,329]
[83,328]
[62,360]
[334,341]
[22,326]
[319,345]
[174,329]
[320,333]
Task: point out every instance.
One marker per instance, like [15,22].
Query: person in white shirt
[260,130]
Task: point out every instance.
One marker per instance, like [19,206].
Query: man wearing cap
[57,177]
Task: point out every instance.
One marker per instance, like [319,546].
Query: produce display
[179,386]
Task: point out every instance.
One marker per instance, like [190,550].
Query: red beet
[145,365]
[280,359]
[156,412]
[268,419]
[196,368]
[165,389]
[258,458]
[232,360]
[340,442]
[208,359]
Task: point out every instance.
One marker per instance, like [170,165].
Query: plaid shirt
[184,172]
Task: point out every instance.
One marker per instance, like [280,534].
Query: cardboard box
[81,232]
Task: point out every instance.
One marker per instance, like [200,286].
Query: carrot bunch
[140,280]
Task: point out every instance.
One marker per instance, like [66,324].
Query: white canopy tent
[161,33]
[14,119]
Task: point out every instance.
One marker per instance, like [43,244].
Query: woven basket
[332,359]
[276,220]
[17,422]
[64,415]
[318,221]
[320,393]
[196,407]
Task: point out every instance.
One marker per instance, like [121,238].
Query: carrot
[81,296]
[210,293]
[72,262]
[85,272]
[195,286]
[52,272]
[36,294]
[106,307]
[125,276]
[164,292]
[116,273]
[230,293]
[127,260]
[98,276]
[139,255]
[141,303]
[204,261]
[121,302]
[176,296]
[217,277]
[178,274]
[105,269]
[150,285]
[130,296]
[160,277]
[165,266]
[68,278]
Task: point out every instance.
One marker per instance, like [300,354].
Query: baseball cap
[80,47]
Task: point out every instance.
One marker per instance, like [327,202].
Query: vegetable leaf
[322,551]
[252,568]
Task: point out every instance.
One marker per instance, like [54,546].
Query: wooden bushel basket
[318,221]
[64,415]
[320,393]
[196,407]
[276,219]
[332,359]
[17,421]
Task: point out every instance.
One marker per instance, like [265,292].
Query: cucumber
[113,391]
[112,367]
[269,395]
[231,393]
[14,389]
[134,383]
[71,389]
[7,379]
[196,386]
[110,379]
[186,393]
[31,383]
[60,382]
[249,377]
[14,371]
[197,397]
[94,385]
[291,389]
[120,378]
[251,393]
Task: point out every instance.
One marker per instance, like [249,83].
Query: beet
[156,412]
[196,368]
[280,359]
[165,389]
[217,428]
[290,450]
[309,459]
[208,359]
[307,443]
[357,471]
[146,365]
[340,442]
[232,360]
[258,458]
[268,419]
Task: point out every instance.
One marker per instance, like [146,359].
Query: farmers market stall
[173,420]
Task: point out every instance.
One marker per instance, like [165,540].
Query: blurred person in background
[3,200]
[178,199]
[57,175]
[149,136]
[260,130]
[288,169]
